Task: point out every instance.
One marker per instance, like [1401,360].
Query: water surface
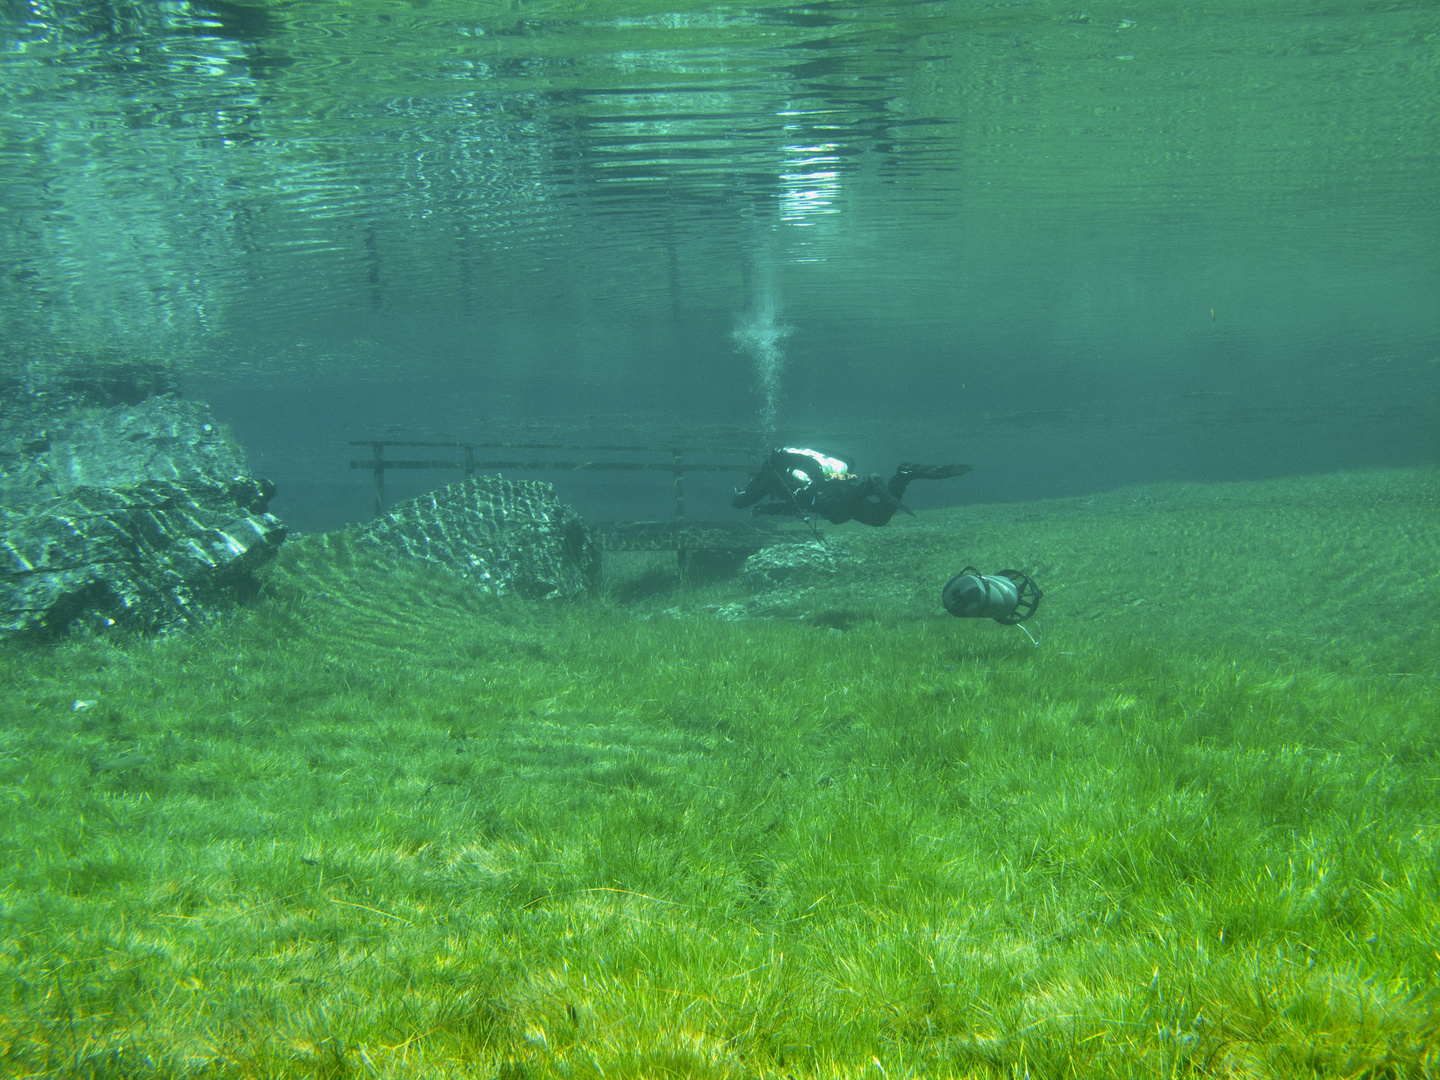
[1074,245]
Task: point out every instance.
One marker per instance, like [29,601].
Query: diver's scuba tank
[1009,597]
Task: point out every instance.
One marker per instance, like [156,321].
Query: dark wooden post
[469,462]
[679,508]
[679,483]
[379,449]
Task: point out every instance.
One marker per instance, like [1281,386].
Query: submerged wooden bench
[680,534]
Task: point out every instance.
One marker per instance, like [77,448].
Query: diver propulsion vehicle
[1009,597]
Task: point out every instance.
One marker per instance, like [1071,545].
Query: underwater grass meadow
[376,824]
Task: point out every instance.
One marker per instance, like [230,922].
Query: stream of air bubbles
[759,338]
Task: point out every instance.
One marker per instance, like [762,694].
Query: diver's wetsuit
[805,482]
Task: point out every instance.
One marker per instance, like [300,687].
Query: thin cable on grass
[364,907]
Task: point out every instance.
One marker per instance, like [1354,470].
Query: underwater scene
[646,538]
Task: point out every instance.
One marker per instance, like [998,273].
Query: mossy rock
[506,536]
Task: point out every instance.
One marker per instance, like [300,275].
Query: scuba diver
[807,483]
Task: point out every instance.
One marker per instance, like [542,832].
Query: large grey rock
[791,564]
[149,557]
[504,535]
[163,438]
[121,504]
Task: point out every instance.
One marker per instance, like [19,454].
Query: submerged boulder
[122,504]
[504,535]
[166,438]
[791,564]
[149,557]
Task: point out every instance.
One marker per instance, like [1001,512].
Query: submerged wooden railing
[680,534]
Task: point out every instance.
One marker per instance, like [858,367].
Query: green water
[1088,180]
[1175,265]
[1076,246]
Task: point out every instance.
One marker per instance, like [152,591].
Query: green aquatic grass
[379,825]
